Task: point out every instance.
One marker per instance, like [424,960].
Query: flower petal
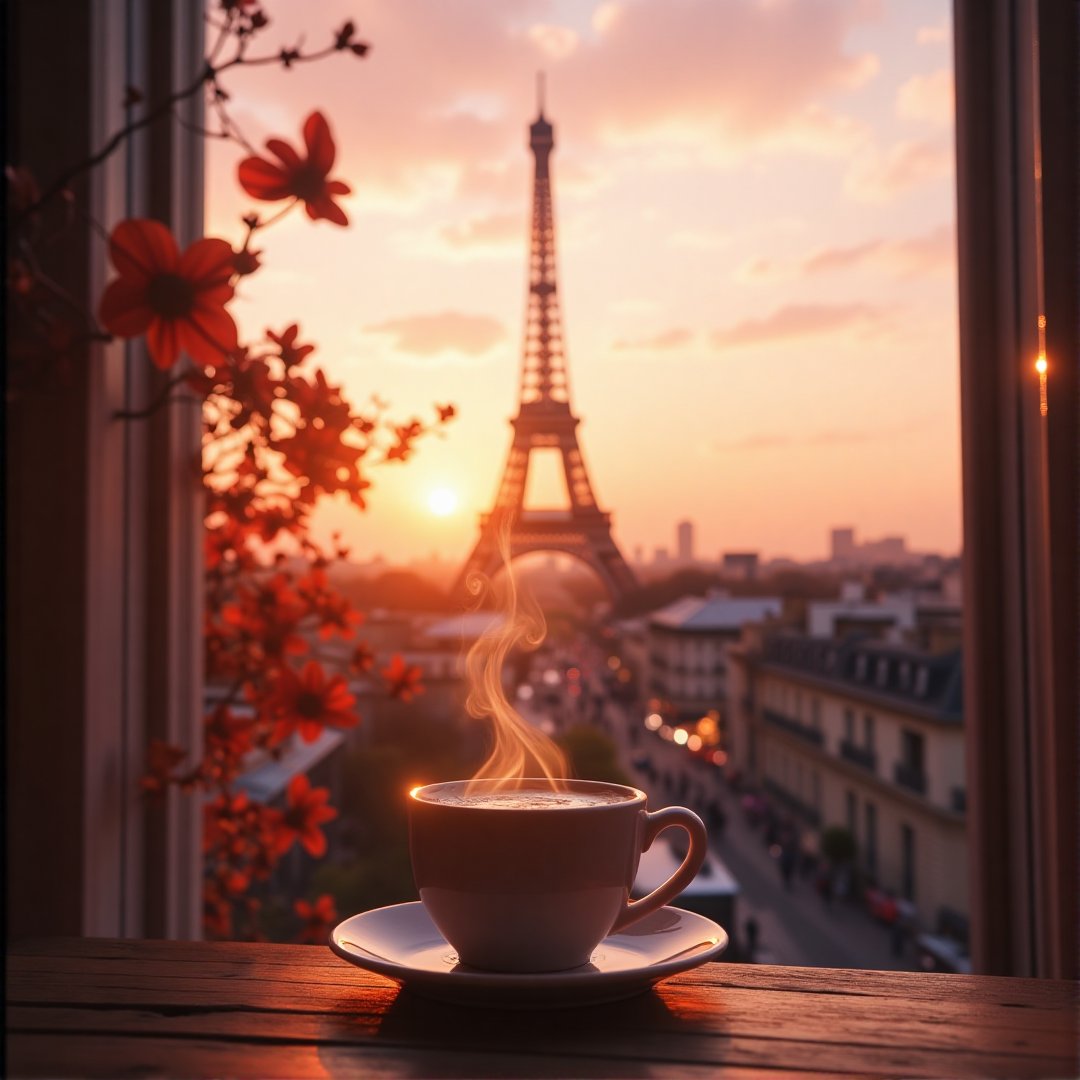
[263,180]
[209,261]
[213,296]
[313,841]
[163,343]
[207,335]
[338,187]
[288,157]
[320,143]
[123,309]
[140,248]
[325,207]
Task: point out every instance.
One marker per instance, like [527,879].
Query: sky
[754,213]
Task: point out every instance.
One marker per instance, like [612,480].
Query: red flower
[291,353]
[177,301]
[296,177]
[246,262]
[318,919]
[307,811]
[308,702]
[362,659]
[328,464]
[402,681]
[321,405]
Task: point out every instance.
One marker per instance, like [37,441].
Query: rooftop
[930,684]
[715,612]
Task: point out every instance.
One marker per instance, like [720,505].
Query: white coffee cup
[518,878]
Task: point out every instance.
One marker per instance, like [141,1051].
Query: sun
[442,501]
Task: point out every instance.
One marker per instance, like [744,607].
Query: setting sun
[442,501]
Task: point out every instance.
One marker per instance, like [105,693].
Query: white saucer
[402,943]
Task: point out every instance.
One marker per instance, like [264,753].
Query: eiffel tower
[544,421]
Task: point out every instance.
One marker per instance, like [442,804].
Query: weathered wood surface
[160,1008]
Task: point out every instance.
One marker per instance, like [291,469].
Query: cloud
[934,250]
[556,42]
[488,231]
[927,99]
[795,321]
[824,437]
[880,177]
[762,269]
[666,339]
[924,253]
[841,258]
[687,68]
[447,331]
[699,239]
[937,34]
[713,80]
[606,16]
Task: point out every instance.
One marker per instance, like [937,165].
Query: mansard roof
[897,676]
[705,614]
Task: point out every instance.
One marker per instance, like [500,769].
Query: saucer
[402,943]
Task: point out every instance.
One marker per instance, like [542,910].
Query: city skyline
[756,274]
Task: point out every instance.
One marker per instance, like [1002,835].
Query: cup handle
[656,823]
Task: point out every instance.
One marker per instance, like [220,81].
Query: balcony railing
[793,727]
[911,778]
[792,802]
[858,755]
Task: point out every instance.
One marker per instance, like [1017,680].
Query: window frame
[1016,159]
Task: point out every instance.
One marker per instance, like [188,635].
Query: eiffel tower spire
[544,419]
[543,373]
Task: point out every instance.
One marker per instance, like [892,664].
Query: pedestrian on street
[787,864]
[825,887]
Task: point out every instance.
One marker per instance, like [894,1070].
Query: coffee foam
[527,799]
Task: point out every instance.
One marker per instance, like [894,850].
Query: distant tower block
[843,543]
[545,422]
[684,532]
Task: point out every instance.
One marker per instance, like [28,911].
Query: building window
[907,862]
[882,671]
[912,750]
[849,725]
[871,837]
[868,732]
[852,811]
[815,713]
[922,680]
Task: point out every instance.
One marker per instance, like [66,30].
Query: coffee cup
[519,877]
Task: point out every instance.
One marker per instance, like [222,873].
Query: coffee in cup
[520,876]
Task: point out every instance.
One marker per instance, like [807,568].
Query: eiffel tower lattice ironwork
[544,421]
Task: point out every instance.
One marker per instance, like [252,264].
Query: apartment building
[686,645]
[866,735]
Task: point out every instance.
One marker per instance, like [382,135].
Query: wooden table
[94,1007]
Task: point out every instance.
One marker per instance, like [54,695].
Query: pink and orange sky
[754,216]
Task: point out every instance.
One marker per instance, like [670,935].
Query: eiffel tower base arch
[586,537]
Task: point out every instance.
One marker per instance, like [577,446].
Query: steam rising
[520,750]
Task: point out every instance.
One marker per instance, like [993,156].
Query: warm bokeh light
[442,501]
[654,722]
[1040,365]
[681,736]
